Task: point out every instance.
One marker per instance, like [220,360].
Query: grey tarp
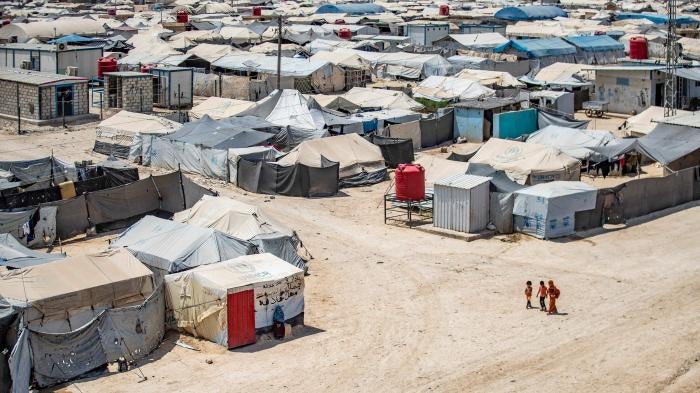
[173,246]
[498,178]
[674,146]
[122,202]
[394,150]
[129,332]
[28,227]
[223,134]
[39,170]
[71,217]
[246,222]
[266,177]
[437,128]
[7,318]
[14,255]
[501,211]
[545,119]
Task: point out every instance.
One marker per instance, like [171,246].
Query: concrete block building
[42,97]
[59,58]
[131,91]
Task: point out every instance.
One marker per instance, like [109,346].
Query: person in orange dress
[553,293]
[542,294]
[528,294]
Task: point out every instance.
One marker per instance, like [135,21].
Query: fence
[640,197]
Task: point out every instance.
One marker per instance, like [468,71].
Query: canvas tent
[368,98]
[15,256]
[203,146]
[579,144]
[527,163]
[227,302]
[643,123]
[548,210]
[360,161]
[444,88]
[219,108]
[246,222]
[437,168]
[122,134]
[82,313]
[168,247]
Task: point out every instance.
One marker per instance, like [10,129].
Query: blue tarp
[541,47]
[351,9]
[594,43]
[656,18]
[529,12]
[73,39]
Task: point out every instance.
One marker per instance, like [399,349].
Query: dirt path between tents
[394,309]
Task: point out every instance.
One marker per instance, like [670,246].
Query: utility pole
[670,83]
[279,51]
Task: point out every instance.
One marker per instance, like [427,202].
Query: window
[697,83]
[623,81]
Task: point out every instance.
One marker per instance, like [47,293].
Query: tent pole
[182,188]
[279,50]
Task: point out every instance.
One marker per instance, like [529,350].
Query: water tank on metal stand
[146,68]
[182,16]
[410,182]
[106,64]
[257,11]
[638,48]
[444,10]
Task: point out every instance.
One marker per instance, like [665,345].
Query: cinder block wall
[137,94]
[28,100]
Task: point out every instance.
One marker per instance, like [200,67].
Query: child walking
[528,294]
[542,293]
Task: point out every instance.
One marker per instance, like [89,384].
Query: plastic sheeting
[530,12]
[579,144]
[444,88]
[545,119]
[354,154]
[267,177]
[246,222]
[14,255]
[173,247]
[198,298]
[130,332]
[501,211]
[548,210]
[527,163]
[394,150]
[31,227]
[229,133]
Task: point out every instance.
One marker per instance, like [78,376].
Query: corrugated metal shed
[461,203]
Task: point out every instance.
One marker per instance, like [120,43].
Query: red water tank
[410,182]
[638,48]
[112,12]
[182,16]
[340,21]
[257,11]
[345,33]
[146,68]
[106,64]
[444,10]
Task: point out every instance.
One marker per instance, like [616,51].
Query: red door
[241,319]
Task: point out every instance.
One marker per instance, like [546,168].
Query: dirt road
[395,310]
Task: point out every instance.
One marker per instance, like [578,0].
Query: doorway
[659,101]
[64,100]
[240,317]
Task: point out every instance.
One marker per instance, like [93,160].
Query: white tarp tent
[547,210]
[643,123]
[361,162]
[580,144]
[490,78]
[246,222]
[527,163]
[120,135]
[445,88]
[198,298]
[365,97]
[169,247]
[220,108]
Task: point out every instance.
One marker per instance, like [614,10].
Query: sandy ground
[398,310]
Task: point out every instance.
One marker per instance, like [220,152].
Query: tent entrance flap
[240,318]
